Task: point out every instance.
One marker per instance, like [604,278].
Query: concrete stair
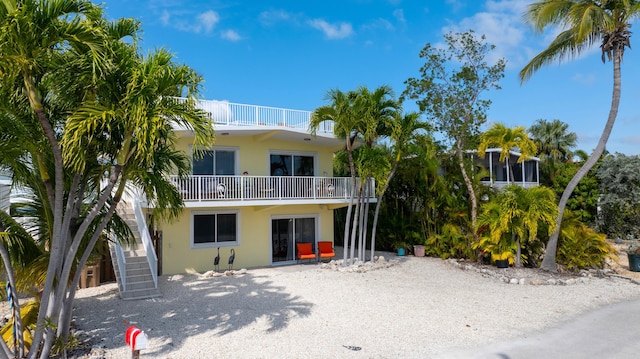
[139,279]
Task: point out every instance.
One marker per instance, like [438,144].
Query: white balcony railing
[246,188]
[501,184]
[235,114]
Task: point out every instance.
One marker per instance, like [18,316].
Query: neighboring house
[523,174]
[5,191]
[264,186]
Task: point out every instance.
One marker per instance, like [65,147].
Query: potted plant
[502,259]
[633,254]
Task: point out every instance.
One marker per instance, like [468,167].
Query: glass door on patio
[286,232]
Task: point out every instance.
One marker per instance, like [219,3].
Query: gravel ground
[416,309]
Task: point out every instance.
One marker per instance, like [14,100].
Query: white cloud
[399,15]
[502,25]
[272,16]
[332,31]
[165,18]
[455,4]
[208,21]
[231,35]
[379,24]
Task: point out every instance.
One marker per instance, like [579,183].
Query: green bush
[580,246]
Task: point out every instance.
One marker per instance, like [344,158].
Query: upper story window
[219,161]
[290,164]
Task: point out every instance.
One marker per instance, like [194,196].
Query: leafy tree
[449,90]
[584,199]
[554,143]
[619,177]
[507,139]
[584,23]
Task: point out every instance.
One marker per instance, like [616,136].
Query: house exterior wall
[254,154]
[254,248]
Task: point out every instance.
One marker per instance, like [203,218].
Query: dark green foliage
[619,177]
[584,199]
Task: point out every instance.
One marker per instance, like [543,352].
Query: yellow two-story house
[265,185]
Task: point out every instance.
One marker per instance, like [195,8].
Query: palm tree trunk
[549,260]
[365,227]
[57,246]
[4,254]
[375,215]
[347,219]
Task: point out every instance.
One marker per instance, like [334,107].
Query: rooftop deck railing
[268,188]
[235,114]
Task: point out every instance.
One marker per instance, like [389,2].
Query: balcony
[225,113]
[264,190]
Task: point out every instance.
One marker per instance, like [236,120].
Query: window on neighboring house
[214,229]
[292,165]
[216,162]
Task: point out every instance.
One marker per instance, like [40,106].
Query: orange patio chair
[325,250]
[304,251]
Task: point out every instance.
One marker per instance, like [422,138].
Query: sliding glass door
[286,232]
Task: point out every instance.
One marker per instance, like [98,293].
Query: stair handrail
[122,264]
[145,237]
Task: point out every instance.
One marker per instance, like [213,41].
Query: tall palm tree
[33,33]
[375,109]
[507,139]
[555,144]
[403,130]
[340,111]
[585,23]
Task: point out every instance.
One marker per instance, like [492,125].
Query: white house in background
[5,190]
[525,173]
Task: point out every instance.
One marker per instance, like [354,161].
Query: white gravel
[416,309]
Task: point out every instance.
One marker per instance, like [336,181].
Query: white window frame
[194,245]
[294,153]
[236,156]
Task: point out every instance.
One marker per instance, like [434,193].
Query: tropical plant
[555,147]
[101,117]
[403,131]
[340,111]
[515,215]
[507,139]
[582,247]
[584,24]
[449,91]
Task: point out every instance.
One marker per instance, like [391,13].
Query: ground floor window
[214,229]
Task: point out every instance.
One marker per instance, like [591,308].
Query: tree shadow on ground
[188,307]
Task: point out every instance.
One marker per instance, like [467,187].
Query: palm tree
[403,130]
[340,111]
[375,110]
[554,143]
[33,33]
[517,212]
[585,23]
[507,139]
[122,111]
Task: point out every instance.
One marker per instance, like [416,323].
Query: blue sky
[290,53]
